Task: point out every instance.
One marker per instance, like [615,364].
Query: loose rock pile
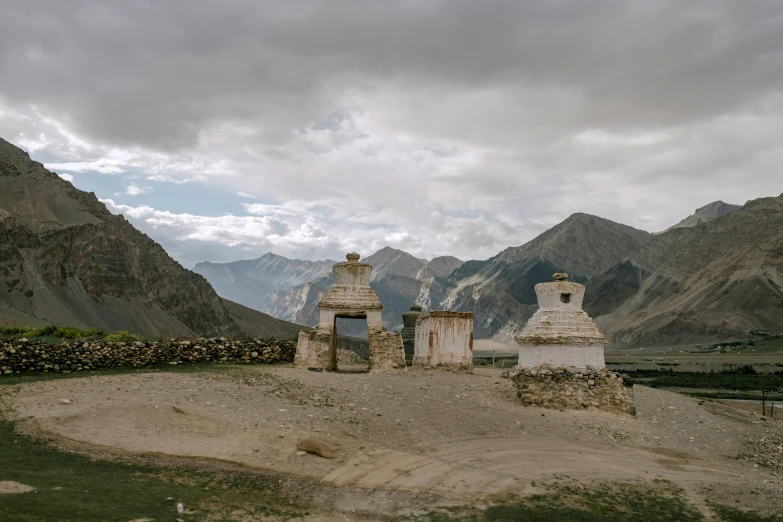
[767,451]
[27,356]
[349,357]
[573,388]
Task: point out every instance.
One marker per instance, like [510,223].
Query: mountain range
[280,287]
[65,259]
[715,275]
[499,291]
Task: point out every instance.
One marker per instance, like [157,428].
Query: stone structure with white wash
[561,356]
[444,339]
[560,333]
[349,297]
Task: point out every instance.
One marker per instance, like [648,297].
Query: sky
[225,130]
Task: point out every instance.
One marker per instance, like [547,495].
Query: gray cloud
[440,126]
[156,73]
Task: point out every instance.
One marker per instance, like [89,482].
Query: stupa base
[575,355]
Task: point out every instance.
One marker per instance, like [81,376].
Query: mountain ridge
[705,214]
[499,290]
[720,279]
[64,258]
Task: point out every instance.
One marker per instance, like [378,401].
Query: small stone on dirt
[316,447]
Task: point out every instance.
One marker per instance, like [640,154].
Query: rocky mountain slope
[705,214]
[249,282]
[293,289]
[714,281]
[257,324]
[500,291]
[64,258]
[400,280]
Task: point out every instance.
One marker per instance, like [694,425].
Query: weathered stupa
[560,333]
[561,356]
[349,297]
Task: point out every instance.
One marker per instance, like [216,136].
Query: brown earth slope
[64,258]
[714,281]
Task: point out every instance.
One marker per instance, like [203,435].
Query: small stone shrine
[349,297]
[561,356]
[444,339]
[560,333]
[409,331]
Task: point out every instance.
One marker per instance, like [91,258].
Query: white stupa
[560,333]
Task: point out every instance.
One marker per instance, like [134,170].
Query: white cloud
[481,128]
[103,166]
[135,190]
[66,177]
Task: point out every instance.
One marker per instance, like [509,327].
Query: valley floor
[410,442]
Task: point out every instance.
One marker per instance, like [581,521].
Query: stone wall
[386,350]
[26,356]
[573,389]
[313,349]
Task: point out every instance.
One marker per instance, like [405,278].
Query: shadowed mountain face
[500,291]
[696,284]
[705,214]
[64,258]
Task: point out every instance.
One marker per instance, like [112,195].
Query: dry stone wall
[573,389]
[386,350]
[33,356]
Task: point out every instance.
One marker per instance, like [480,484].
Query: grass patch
[69,486]
[729,514]
[568,504]
[741,380]
[55,333]
[660,502]
[50,332]
[768,345]
[28,377]
[123,336]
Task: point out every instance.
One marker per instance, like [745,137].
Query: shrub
[123,336]
[52,330]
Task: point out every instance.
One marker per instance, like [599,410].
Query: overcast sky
[227,129]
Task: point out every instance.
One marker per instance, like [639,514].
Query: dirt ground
[8,487]
[412,439]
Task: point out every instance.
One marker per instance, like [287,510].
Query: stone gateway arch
[349,297]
